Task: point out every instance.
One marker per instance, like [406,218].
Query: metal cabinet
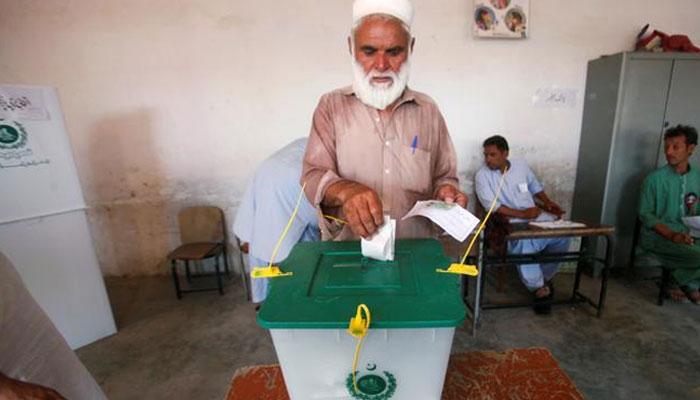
[631,98]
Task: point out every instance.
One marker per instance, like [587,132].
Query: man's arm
[361,206]
[668,233]
[548,205]
[445,177]
[326,189]
[647,216]
[12,389]
[528,213]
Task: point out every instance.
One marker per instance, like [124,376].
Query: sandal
[543,304]
[676,294]
[692,295]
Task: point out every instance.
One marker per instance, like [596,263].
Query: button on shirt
[519,187]
[349,140]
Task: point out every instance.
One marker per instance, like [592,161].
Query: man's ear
[505,153]
[691,148]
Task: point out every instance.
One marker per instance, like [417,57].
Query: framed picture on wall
[508,19]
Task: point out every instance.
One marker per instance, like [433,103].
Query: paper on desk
[455,220]
[692,223]
[380,246]
[558,224]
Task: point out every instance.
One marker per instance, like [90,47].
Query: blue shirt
[269,202]
[519,187]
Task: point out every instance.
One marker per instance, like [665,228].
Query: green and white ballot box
[414,311]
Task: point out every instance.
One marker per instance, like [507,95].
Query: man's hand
[680,237]
[12,389]
[450,194]
[531,213]
[553,208]
[361,206]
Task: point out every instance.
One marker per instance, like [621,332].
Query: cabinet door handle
[665,124]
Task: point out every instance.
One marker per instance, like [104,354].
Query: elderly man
[378,147]
[669,194]
[517,203]
[267,206]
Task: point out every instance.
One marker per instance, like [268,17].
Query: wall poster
[508,19]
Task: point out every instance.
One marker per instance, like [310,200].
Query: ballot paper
[693,224]
[380,246]
[558,224]
[455,220]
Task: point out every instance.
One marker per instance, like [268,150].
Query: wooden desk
[525,231]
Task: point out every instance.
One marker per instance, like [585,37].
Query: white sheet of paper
[555,97]
[455,220]
[380,246]
[557,224]
[693,223]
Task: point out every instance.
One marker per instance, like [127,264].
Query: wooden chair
[500,269]
[203,236]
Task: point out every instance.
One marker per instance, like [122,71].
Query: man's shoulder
[519,165]
[482,173]
[657,175]
[420,98]
[695,170]
[336,98]
[338,93]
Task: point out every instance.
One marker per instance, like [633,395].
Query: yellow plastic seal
[358,328]
[358,324]
[268,272]
[462,269]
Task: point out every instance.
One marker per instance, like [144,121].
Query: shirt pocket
[415,170]
[523,192]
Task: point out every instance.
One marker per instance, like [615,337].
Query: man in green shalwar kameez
[669,194]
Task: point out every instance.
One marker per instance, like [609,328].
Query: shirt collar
[673,170]
[408,95]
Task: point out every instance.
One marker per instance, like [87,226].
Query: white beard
[379,96]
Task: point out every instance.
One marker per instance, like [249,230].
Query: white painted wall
[170,103]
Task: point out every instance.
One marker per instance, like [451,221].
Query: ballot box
[413,314]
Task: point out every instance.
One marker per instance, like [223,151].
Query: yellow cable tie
[462,268]
[358,328]
[272,271]
[268,272]
[332,218]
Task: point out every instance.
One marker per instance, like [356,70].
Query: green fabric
[667,197]
[332,278]
[684,260]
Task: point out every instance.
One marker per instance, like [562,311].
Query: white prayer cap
[401,9]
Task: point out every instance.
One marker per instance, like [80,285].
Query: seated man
[517,203]
[267,205]
[668,194]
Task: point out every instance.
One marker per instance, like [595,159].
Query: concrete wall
[170,103]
